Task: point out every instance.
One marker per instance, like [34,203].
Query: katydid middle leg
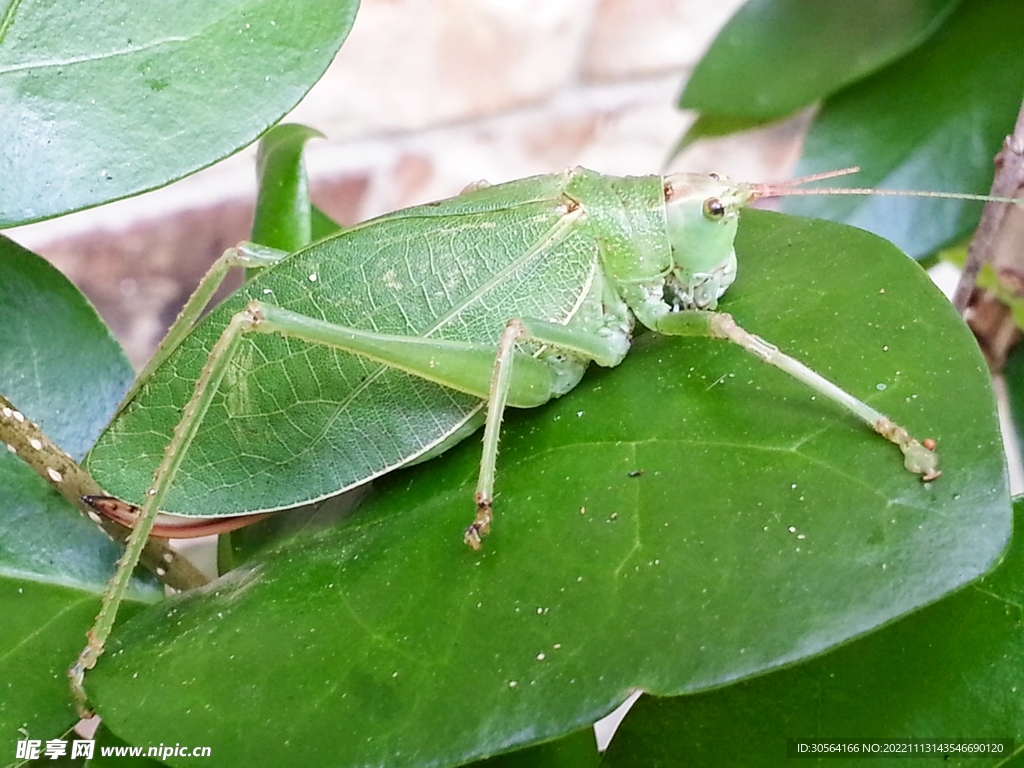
[250,256]
[573,348]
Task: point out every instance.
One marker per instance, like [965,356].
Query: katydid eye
[714,208]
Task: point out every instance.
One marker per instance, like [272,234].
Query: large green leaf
[686,520]
[953,670]
[932,121]
[776,56]
[61,367]
[577,750]
[104,100]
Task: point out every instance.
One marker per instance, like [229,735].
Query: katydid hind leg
[919,457]
[206,386]
[461,365]
[506,378]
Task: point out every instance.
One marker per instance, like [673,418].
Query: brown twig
[997,241]
[24,438]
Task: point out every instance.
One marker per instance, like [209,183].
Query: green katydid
[387,343]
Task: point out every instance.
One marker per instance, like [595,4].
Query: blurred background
[425,97]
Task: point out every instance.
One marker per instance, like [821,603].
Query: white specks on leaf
[391,280]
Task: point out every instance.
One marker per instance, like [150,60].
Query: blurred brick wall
[425,97]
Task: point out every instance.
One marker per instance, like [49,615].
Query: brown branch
[996,242]
[57,468]
[1009,180]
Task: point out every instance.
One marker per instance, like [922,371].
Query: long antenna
[820,176]
[794,188]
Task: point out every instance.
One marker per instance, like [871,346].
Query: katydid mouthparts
[389,342]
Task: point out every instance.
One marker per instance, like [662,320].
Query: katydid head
[702,214]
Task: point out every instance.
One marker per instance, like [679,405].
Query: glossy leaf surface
[105,100]
[675,524]
[933,121]
[577,750]
[1014,377]
[952,670]
[775,56]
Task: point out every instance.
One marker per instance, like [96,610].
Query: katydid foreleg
[918,457]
